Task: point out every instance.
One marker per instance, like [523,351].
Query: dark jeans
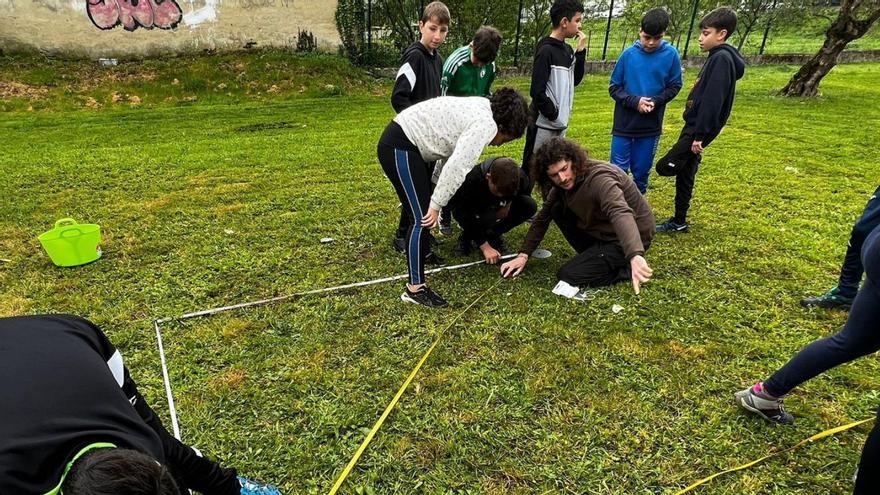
[860,335]
[851,271]
[597,264]
[681,162]
[480,226]
[868,478]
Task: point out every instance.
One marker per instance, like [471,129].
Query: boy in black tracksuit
[494,198]
[706,111]
[417,80]
[556,70]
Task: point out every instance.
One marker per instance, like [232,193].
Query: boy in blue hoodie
[705,113]
[646,77]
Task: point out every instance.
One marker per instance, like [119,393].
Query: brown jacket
[608,206]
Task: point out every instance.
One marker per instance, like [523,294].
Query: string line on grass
[174,424]
[403,387]
[817,436]
[263,302]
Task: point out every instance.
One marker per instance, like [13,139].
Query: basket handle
[65,221]
[66,232]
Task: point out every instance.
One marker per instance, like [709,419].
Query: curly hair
[510,112]
[553,151]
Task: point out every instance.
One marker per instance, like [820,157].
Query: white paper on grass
[564,289]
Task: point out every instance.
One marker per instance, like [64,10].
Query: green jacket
[463,78]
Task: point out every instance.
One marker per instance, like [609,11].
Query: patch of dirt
[21,90]
[265,126]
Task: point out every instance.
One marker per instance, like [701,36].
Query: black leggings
[411,177]
[851,271]
[681,162]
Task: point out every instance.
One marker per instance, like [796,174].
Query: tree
[854,19]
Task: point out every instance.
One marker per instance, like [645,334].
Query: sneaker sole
[739,398]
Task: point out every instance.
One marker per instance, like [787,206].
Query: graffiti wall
[116,28]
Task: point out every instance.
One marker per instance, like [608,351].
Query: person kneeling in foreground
[72,421]
[450,128]
[599,210]
[493,200]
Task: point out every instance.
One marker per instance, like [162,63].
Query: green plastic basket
[71,243]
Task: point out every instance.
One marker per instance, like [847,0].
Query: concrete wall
[126,28]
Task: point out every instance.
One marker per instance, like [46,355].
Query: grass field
[210,197]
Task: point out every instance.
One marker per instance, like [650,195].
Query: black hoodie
[711,97]
[418,78]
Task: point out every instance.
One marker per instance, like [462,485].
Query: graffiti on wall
[131,14]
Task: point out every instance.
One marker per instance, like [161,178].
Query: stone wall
[139,28]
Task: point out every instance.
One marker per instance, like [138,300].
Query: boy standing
[557,69]
[418,79]
[646,77]
[705,113]
[470,70]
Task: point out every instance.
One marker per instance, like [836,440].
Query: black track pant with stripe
[411,177]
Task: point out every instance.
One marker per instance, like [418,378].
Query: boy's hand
[581,40]
[697,147]
[646,105]
[641,272]
[490,254]
[431,218]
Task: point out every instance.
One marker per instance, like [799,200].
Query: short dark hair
[564,9]
[487,41]
[555,150]
[437,11]
[510,112]
[118,472]
[720,18]
[505,176]
[655,22]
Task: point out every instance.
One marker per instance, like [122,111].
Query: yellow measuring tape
[409,379]
[817,436]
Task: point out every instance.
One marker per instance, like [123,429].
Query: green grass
[215,202]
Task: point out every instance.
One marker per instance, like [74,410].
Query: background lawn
[211,196]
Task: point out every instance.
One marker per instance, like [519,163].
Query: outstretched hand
[431,218]
[641,272]
[515,266]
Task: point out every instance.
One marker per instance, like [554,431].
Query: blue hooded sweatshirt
[637,74]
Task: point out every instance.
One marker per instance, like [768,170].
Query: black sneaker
[399,244]
[432,259]
[424,296]
[671,226]
[830,300]
[464,246]
[756,401]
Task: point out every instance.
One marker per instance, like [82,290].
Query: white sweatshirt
[451,128]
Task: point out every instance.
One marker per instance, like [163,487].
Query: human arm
[616,88]
[515,266]
[672,83]
[405,82]
[538,91]
[580,59]
[716,83]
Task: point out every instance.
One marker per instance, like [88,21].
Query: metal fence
[391,25]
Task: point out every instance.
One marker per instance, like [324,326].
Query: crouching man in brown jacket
[599,211]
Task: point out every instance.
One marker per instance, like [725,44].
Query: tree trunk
[846,27]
